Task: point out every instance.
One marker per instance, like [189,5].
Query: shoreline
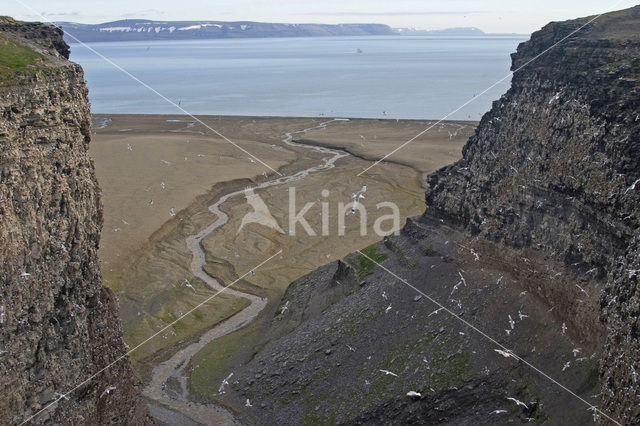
[282,117]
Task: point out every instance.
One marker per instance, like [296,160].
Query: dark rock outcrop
[60,337]
[555,166]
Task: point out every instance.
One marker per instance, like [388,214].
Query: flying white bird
[129,147]
[512,323]
[567,365]
[162,185]
[505,354]
[435,312]
[172,212]
[60,396]
[522,316]
[224,383]
[108,390]
[633,186]
[388,309]
[462,280]
[576,351]
[389,373]
[518,402]
[582,290]
[356,199]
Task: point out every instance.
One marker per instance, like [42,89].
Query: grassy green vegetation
[186,329]
[212,364]
[367,263]
[449,371]
[16,58]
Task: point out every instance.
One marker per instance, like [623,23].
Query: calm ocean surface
[392,77]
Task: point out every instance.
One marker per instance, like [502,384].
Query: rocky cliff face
[555,166]
[58,324]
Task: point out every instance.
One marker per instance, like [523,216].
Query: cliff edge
[555,166]
[58,325]
[532,238]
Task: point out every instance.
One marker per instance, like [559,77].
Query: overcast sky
[489,15]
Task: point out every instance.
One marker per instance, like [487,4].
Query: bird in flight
[518,402]
[356,199]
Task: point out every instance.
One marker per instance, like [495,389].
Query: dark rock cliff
[555,166]
[58,325]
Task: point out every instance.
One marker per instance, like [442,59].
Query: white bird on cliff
[413,394]
[518,402]
[172,212]
[129,147]
[356,199]
[498,412]
[477,257]
[389,373]
[248,403]
[564,328]
[512,323]
[24,274]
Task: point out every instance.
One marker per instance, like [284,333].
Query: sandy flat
[185,167]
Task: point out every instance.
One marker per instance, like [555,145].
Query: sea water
[367,77]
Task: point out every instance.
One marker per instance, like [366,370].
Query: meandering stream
[175,367]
